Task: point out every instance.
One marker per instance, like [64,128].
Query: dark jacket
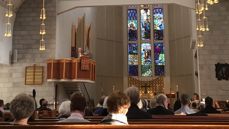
[159,110]
[210,109]
[135,113]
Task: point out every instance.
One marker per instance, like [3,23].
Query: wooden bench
[147,126]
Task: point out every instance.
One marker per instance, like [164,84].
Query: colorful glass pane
[133,70]
[145,24]
[133,54]
[132,25]
[159,70]
[159,54]
[158,23]
[146,60]
[159,59]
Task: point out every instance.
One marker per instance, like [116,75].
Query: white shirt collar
[120,117]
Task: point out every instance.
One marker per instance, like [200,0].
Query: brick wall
[216,50]
[26,41]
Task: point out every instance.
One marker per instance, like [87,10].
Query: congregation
[116,109]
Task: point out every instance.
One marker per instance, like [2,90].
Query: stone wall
[26,41]
[216,50]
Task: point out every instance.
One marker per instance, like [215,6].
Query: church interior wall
[26,41]
[215,50]
[109,49]
[5,43]
[181,55]
[106,45]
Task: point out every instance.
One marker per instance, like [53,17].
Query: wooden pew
[147,126]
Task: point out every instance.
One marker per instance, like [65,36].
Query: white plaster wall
[63,32]
[5,42]
[64,5]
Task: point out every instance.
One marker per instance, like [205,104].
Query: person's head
[41,102]
[184,99]
[22,106]
[195,97]
[208,101]
[133,93]
[64,108]
[162,100]
[118,103]
[78,102]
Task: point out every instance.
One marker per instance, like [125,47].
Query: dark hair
[78,102]
[197,96]
[41,100]
[184,99]
[117,100]
[208,101]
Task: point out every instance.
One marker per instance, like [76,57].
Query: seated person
[134,112]
[162,106]
[77,108]
[185,109]
[64,109]
[209,106]
[118,104]
[22,107]
[101,109]
[43,105]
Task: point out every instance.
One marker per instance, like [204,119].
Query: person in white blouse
[185,109]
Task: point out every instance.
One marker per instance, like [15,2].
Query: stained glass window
[133,59]
[132,25]
[158,23]
[146,56]
[145,24]
[159,58]
[146,60]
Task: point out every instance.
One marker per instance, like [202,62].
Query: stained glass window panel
[145,24]
[159,59]
[133,54]
[146,60]
[132,25]
[133,59]
[159,54]
[159,70]
[158,16]
[133,70]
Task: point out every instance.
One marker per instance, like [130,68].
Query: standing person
[22,107]
[118,104]
[77,107]
[162,106]
[134,112]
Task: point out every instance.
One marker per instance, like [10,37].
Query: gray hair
[64,108]
[184,99]
[160,99]
[22,106]
[133,93]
